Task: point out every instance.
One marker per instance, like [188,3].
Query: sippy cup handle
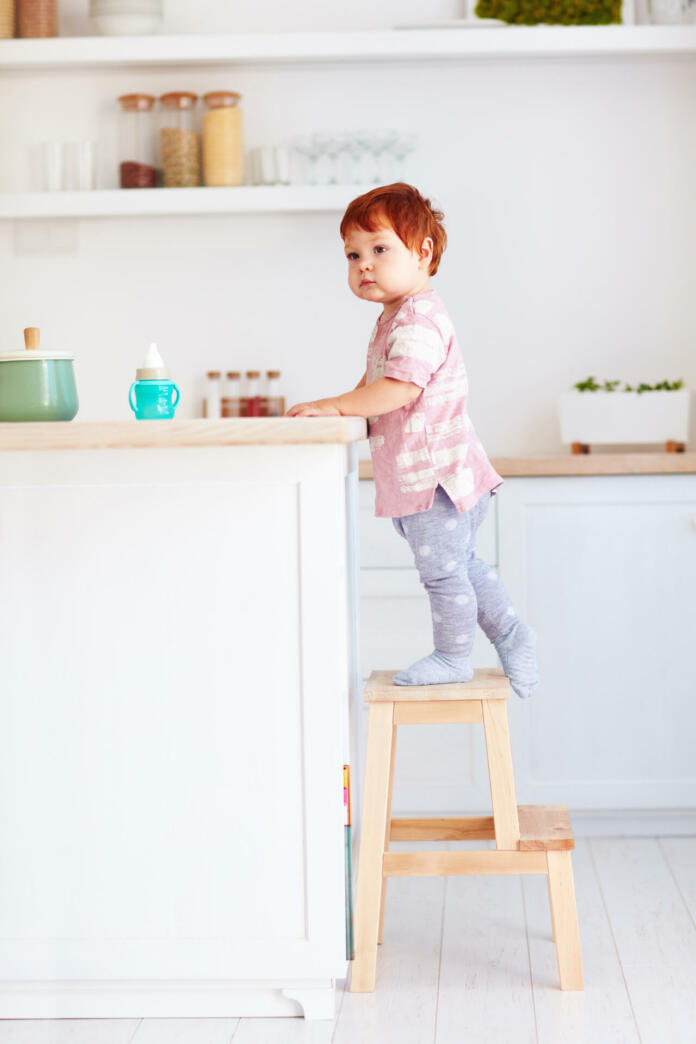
[175,402]
[130,397]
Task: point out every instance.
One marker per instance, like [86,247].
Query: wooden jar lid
[219,99]
[179,100]
[136,102]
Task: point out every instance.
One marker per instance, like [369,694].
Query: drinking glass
[79,167]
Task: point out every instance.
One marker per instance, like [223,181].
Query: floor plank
[602,1013]
[485,993]
[680,854]
[67,1031]
[185,1031]
[402,1008]
[655,937]
[284,1031]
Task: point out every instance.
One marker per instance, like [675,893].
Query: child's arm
[367,400]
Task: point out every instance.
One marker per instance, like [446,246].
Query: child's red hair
[412,217]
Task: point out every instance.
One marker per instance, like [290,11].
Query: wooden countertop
[168,434]
[585,464]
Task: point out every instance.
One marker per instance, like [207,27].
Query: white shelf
[396,44]
[161,201]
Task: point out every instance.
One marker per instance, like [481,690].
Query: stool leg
[387,833]
[372,834]
[501,774]
[564,920]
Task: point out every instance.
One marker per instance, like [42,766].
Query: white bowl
[130,24]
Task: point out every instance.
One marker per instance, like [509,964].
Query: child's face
[381,268]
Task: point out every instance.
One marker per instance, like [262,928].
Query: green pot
[37,386]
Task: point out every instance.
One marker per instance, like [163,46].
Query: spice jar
[273,403]
[251,400]
[223,162]
[137,147]
[211,400]
[7,19]
[37,18]
[179,142]
[232,397]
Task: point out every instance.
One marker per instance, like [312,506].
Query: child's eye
[380,249]
[352,257]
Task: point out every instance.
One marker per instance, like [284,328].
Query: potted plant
[605,412]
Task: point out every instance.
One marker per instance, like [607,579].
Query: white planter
[616,417]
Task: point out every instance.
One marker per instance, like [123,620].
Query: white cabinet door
[604,569]
[175,650]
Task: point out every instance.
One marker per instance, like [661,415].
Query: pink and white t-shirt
[431,440]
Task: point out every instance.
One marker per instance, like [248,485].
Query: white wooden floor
[472,960]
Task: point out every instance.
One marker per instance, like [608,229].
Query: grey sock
[517,652]
[436,669]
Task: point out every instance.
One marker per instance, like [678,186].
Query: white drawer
[381,546]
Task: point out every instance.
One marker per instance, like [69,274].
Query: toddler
[432,475]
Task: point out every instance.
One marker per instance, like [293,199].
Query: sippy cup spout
[153,368]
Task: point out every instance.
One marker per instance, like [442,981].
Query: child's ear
[426,251]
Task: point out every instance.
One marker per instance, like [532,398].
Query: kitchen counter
[243,431]
[585,464]
[178,639]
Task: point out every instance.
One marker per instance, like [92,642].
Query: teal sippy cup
[152,395]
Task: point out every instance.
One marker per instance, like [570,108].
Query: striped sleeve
[414,351]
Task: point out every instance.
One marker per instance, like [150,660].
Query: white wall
[568,189]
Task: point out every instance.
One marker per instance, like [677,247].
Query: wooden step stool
[530,839]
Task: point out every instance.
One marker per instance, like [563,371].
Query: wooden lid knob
[31,337]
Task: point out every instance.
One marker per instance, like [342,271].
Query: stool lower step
[543,828]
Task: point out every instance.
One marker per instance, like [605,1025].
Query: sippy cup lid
[153,367]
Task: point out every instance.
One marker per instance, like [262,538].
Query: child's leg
[441,539]
[514,641]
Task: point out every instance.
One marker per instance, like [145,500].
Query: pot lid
[26,355]
[32,336]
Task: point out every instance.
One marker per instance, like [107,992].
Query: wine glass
[400,148]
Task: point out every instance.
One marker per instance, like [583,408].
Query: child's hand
[320,408]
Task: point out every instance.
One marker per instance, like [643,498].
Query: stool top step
[488,684]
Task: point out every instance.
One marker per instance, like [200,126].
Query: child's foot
[517,652]
[436,669]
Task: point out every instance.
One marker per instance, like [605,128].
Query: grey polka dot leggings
[462,589]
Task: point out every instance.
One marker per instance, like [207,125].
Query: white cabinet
[176,651]
[604,569]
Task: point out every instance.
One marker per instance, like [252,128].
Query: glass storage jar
[7,19]
[37,18]
[137,167]
[179,140]
[223,162]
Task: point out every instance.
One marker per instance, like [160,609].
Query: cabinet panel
[604,569]
[168,809]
